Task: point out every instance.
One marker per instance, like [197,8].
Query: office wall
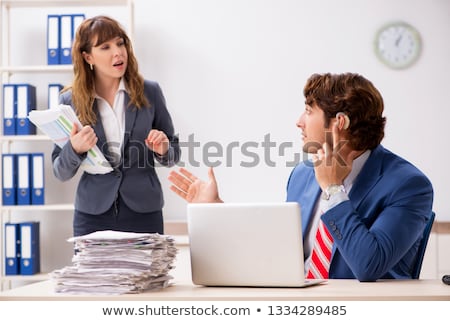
[233,72]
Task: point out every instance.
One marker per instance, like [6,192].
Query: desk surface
[346,290]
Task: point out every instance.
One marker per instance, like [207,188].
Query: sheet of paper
[57,123]
[112,262]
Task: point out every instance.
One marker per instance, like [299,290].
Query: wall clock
[398,45]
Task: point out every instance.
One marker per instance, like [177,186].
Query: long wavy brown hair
[354,95]
[101,29]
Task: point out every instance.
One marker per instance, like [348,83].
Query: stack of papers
[111,262]
[57,123]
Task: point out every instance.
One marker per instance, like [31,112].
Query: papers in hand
[57,123]
[111,262]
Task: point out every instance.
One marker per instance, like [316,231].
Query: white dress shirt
[113,120]
[324,205]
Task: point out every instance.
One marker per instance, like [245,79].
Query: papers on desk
[110,262]
[57,123]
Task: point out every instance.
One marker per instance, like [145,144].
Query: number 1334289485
[307,310]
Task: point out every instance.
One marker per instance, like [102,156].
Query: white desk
[346,290]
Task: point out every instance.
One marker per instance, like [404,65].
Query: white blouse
[113,120]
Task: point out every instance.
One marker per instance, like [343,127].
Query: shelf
[44,207]
[62,3]
[23,138]
[19,277]
[40,69]
[48,72]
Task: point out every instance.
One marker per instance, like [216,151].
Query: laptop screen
[246,244]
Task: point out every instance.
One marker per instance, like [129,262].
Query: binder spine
[53,39]
[77,19]
[29,248]
[12,249]
[9,109]
[53,95]
[9,179]
[65,53]
[37,183]
[26,101]
[23,179]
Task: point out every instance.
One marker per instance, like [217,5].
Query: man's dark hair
[355,96]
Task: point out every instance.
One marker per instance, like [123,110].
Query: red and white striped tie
[321,254]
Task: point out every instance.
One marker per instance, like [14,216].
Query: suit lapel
[130,118]
[309,199]
[100,131]
[370,174]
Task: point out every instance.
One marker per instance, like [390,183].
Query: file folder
[77,19]
[9,179]
[53,95]
[9,109]
[37,181]
[29,248]
[26,101]
[68,27]
[66,39]
[53,40]
[12,249]
[23,179]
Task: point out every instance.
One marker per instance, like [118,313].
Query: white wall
[233,72]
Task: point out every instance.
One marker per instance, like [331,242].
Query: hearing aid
[346,119]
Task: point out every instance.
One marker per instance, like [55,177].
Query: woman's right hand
[193,189]
[82,140]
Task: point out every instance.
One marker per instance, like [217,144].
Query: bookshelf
[9,70]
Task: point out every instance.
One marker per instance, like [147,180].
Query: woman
[126,117]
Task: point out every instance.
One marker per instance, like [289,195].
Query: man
[371,205]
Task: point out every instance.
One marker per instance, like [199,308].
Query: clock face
[398,45]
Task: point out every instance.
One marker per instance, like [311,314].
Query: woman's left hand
[157,141]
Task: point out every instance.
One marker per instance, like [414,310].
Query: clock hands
[397,41]
[399,38]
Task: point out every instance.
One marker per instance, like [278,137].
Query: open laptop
[247,244]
